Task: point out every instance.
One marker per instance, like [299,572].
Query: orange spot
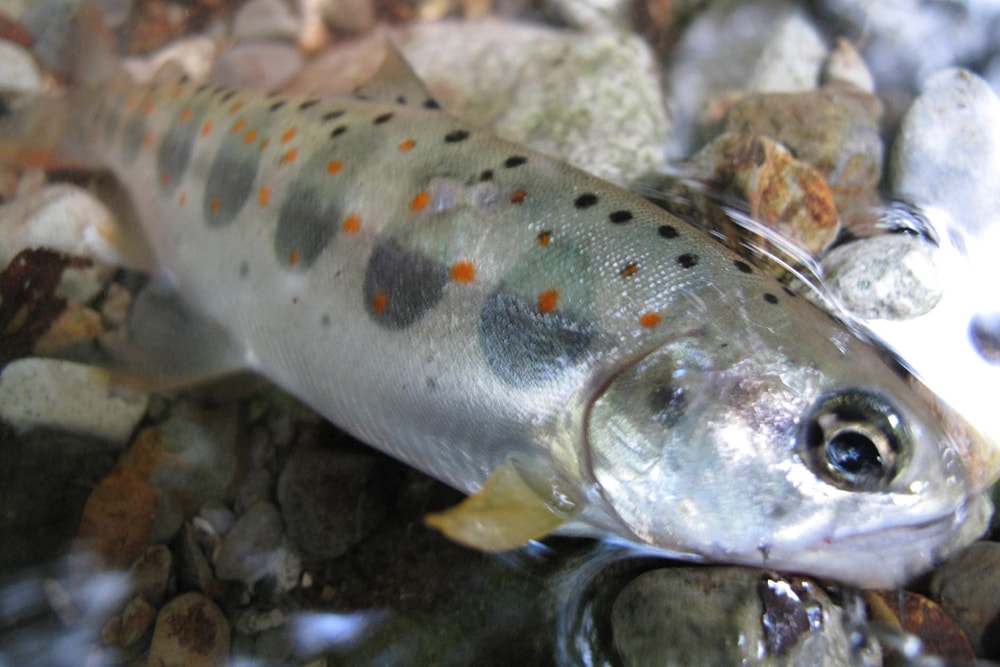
[352,224]
[164,179]
[334,167]
[288,136]
[463,272]
[407,145]
[250,137]
[206,129]
[236,107]
[518,197]
[215,205]
[182,198]
[544,238]
[240,126]
[629,270]
[420,202]
[293,258]
[649,320]
[289,157]
[264,196]
[147,140]
[380,303]
[547,301]
[186,116]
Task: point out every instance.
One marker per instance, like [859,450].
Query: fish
[575,358]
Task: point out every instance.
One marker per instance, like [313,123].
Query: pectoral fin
[511,509]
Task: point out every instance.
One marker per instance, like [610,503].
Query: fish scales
[556,345]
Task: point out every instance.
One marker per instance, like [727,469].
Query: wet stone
[249,551]
[150,573]
[777,190]
[834,129]
[193,569]
[331,498]
[968,588]
[728,616]
[136,619]
[890,277]
[190,631]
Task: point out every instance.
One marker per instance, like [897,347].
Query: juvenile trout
[574,356]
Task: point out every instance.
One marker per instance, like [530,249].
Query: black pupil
[853,453]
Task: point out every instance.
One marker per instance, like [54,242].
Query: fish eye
[854,439]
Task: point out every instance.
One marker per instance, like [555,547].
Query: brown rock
[117,520]
[190,632]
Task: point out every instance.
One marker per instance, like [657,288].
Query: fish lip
[890,556]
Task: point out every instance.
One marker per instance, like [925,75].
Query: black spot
[277,105]
[619,217]
[984,333]
[742,266]
[307,222]
[514,161]
[337,131]
[431,104]
[687,260]
[523,346]
[667,231]
[307,104]
[324,320]
[185,78]
[384,118]
[455,136]
[200,89]
[228,95]
[363,98]
[487,175]
[668,404]
[218,90]
[272,94]
[585,200]
[788,291]
[401,100]
[332,115]
[244,269]
[401,285]
[770,298]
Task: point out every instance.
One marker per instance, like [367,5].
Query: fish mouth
[889,557]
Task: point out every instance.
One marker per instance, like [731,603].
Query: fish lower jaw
[886,559]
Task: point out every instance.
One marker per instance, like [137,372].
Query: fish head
[820,459]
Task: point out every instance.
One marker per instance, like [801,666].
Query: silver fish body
[461,302]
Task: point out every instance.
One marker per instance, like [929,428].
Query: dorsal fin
[395,82]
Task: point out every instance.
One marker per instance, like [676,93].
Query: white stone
[192,55]
[265,20]
[69,397]
[18,71]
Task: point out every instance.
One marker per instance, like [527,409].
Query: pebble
[737,47]
[68,219]
[191,55]
[834,129]
[190,631]
[265,20]
[845,65]
[117,522]
[66,396]
[194,572]
[591,99]
[150,573]
[968,588]
[332,498]
[256,65]
[255,548]
[889,277]
[730,616]
[18,71]
[948,144]
[770,184]
[136,620]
